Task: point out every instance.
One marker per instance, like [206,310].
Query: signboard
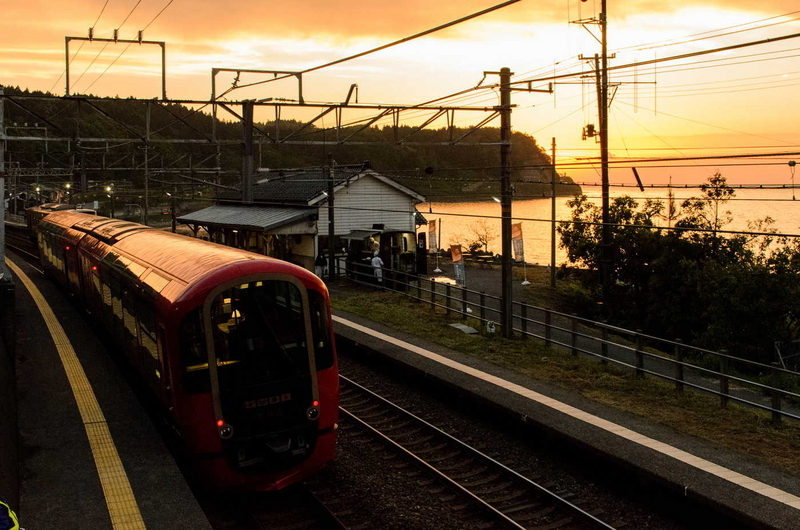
[516,242]
[432,241]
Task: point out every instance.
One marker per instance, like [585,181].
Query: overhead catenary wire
[561,221]
[380,48]
[712,34]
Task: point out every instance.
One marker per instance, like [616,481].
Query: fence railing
[731,378]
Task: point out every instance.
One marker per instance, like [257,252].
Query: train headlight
[312,413]
[225,430]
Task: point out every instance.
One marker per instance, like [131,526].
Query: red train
[238,347]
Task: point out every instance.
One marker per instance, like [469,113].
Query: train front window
[259,336]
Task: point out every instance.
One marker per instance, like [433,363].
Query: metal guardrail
[719,375]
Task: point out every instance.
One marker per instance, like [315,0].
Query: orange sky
[665,113]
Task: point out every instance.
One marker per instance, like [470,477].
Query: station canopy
[247,217]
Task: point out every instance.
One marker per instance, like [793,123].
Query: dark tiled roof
[298,187]
[247,216]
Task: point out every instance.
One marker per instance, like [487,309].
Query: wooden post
[433,295]
[463,303]
[548,330]
[574,340]
[483,307]
[639,354]
[447,298]
[679,365]
[777,417]
[524,318]
[604,346]
[723,381]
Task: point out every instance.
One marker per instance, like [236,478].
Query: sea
[458,221]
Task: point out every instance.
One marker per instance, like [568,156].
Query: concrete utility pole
[331,226]
[601,75]
[606,251]
[507,317]
[247,151]
[147,166]
[553,181]
[506,192]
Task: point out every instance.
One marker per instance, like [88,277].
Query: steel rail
[474,453]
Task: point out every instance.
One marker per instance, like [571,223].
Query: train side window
[147,334]
[194,355]
[323,353]
[116,300]
[130,330]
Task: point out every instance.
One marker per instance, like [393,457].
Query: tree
[484,234]
[737,292]
[703,212]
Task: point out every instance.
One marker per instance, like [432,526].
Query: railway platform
[692,472]
[90,457]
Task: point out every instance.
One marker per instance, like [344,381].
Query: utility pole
[331,228]
[601,76]
[553,181]
[507,317]
[506,192]
[247,152]
[146,165]
[606,257]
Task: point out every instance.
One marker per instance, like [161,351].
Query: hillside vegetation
[454,172]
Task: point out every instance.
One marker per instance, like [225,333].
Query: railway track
[18,240]
[485,492]
[297,507]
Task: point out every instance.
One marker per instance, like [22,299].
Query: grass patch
[736,428]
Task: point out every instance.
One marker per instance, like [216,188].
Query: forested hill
[454,172]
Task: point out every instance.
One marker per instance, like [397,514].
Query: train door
[165,388]
[261,367]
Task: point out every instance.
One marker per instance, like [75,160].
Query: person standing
[319,265]
[377,265]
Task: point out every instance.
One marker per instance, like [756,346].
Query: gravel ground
[393,500]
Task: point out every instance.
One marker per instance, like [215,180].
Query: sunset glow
[742,98]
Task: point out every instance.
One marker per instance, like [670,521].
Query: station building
[288,217]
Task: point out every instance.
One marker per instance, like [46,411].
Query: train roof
[181,257]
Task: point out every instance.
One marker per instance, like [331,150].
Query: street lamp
[110,194]
[68,187]
[172,211]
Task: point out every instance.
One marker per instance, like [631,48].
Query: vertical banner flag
[433,244]
[458,265]
[516,242]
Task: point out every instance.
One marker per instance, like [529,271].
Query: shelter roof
[240,216]
[310,186]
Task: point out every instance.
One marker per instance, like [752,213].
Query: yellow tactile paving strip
[687,458]
[121,503]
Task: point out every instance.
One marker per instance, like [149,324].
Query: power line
[129,14]
[712,33]
[159,14]
[670,58]
[380,48]
[100,15]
